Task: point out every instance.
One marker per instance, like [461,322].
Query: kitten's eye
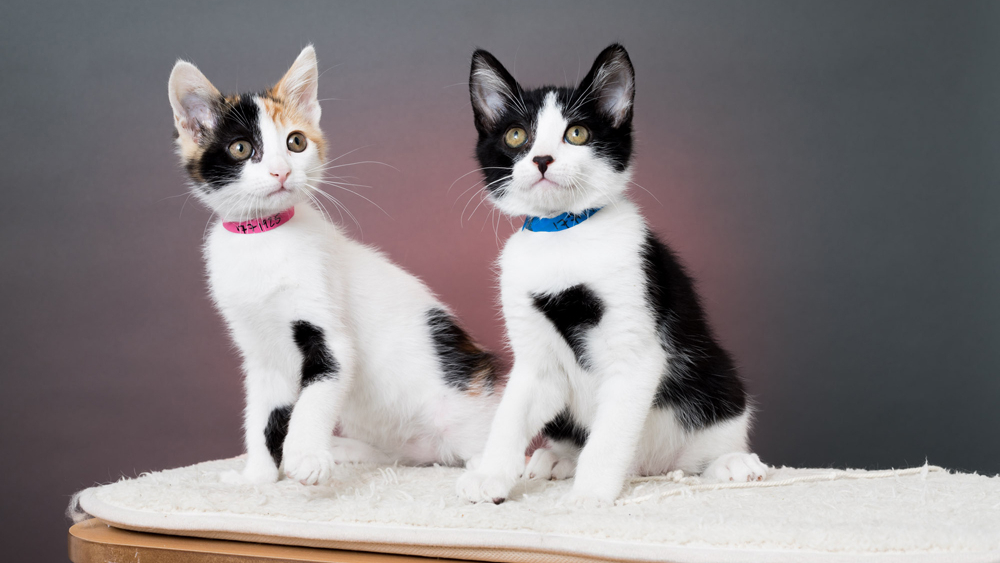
[240,150]
[515,137]
[297,141]
[577,135]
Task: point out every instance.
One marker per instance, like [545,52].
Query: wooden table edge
[95,541]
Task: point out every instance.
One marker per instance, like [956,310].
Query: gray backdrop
[828,171]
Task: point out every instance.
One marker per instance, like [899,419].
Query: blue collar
[557,223]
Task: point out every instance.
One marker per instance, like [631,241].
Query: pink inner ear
[616,95]
[199,116]
[299,87]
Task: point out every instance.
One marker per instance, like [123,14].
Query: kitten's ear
[194,100]
[492,88]
[611,82]
[300,85]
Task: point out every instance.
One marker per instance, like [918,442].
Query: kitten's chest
[257,270]
[604,256]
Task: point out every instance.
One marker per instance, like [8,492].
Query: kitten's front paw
[546,464]
[475,486]
[309,468]
[736,466]
[252,474]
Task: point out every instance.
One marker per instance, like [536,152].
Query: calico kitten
[347,358]
[614,360]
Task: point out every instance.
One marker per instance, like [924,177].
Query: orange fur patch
[288,115]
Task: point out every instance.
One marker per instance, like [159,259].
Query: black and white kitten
[614,359]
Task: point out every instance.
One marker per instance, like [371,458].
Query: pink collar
[260,225]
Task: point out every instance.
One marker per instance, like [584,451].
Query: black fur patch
[462,360]
[317,361]
[614,144]
[276,430]
[701,384]
[565,429]
[235,120]
[573,311]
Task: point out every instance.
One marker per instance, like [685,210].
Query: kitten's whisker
[319,205]
[483,194]
[181,214]
[338,183]
[484,190]
[182,194]
[339,157]
[340,213]
[474,171]
[340,205]
[341,178]
[500,179]
[485,219]
[465,192]
[461,218]
[204,232]
[481,200]
[476,184]
[364,198]
[337,203]
[496,226]
[355,164]
[647,191]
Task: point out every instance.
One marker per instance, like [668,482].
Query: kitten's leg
[327,374]
[534,395]
[269,399]
[624,400]
[556,460]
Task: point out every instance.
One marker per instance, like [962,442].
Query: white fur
[627,360]
[389,401]
[390,393]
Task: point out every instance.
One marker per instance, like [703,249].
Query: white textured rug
[923,514]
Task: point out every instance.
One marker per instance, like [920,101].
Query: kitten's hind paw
[737,467]
[475,486]
[547,464]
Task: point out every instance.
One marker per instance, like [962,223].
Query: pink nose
[281,175]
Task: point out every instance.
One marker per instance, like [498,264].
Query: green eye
[240,150]
[515,137]
[577,135]
[297,142]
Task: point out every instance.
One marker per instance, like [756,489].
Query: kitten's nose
[281,174]
[543,162]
